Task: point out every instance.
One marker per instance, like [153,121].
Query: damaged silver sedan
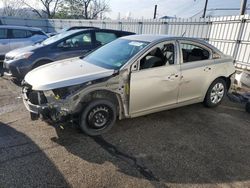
[129,77]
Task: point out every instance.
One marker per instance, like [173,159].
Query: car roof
[20,27]
[159,38]
[98,29]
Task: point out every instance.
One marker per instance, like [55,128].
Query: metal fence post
[140,27]
[120,26]
[103,25]
[239,38]
[165,31]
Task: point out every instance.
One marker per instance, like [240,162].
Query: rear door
[4,41]
[196,70]
[74,46]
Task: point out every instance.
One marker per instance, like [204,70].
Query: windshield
[57,37]
[115,54]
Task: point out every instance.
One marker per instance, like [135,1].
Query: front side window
[19,33]
[78,41]
[191,53]
[57,37]
[29,34]
[3,33]
[104,38]
[115,54]
[161,55]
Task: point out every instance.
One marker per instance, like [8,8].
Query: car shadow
[192,144]
[23,163]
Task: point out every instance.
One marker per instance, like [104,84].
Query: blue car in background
[12,37]
[67,44]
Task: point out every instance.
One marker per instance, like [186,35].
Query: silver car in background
[12,37]
[129,77]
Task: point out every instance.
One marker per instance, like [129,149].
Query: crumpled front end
[50,104]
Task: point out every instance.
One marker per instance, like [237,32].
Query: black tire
[208,99]
[34,100]
[248,107]
[34,116]
[98,117]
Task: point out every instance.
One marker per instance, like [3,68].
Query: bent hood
[65,73]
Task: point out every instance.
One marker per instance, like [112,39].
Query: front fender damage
[58,108]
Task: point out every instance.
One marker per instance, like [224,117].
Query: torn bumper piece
[49,111]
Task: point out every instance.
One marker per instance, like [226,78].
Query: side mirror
[64,46]
[135,66]
[216,56]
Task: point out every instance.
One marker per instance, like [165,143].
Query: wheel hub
[217,93]
[99,117]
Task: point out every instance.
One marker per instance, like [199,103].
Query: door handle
[171,77]
[207,69]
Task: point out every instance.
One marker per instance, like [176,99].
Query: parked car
[68,44]
[129,77]
[12,37]
[78,27]
[71,28]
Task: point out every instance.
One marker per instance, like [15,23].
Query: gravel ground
[191,146]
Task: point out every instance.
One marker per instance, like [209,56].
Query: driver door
[156,84]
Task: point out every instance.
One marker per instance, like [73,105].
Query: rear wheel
[98,117]
[215,93]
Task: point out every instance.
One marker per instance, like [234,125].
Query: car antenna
[183,34]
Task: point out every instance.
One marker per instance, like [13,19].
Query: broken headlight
[62,93]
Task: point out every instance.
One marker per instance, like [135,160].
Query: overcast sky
[180,8]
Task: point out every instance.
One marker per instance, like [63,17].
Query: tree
[88,9]
[11,7]
[44,8]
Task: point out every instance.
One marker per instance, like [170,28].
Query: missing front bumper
[41,107]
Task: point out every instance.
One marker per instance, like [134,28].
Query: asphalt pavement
[191,146]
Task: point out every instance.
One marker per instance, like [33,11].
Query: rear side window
[3,33]
[104,38]
[18,33]
[191,53]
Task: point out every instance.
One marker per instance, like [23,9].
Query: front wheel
[98,117]
[215,93]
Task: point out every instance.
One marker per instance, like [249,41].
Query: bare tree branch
[88,9]
[48,7]
[11,7]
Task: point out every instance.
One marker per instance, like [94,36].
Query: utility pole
[155,12]
[205,10]
[243,7]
